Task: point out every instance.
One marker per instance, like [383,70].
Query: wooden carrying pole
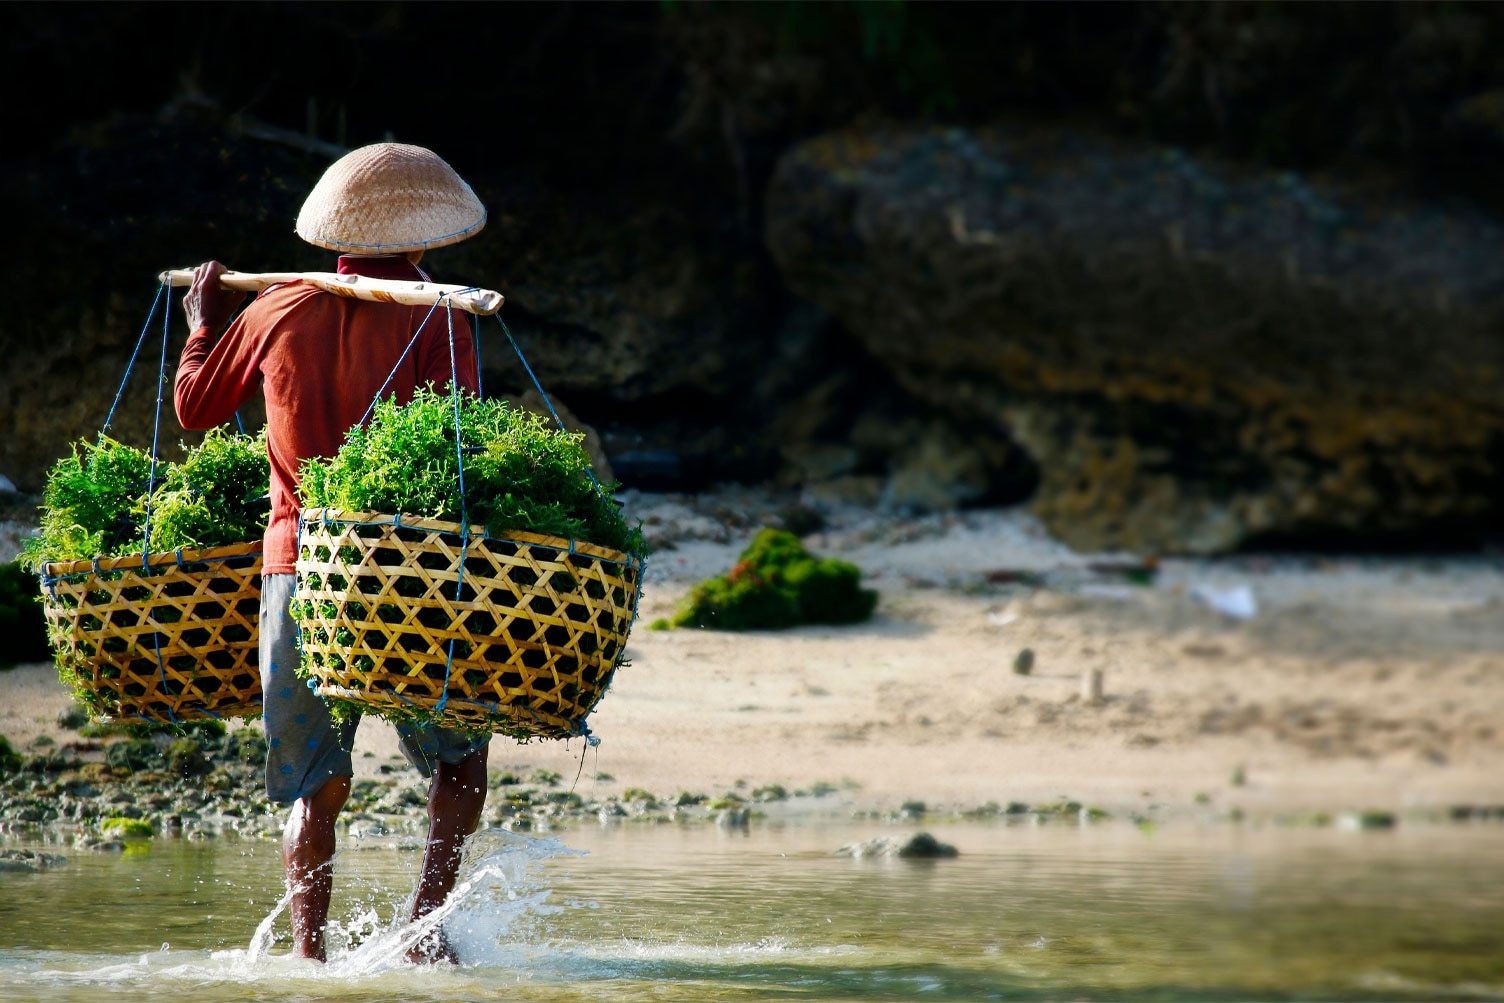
[468,298]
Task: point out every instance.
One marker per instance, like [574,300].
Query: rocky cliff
[1194,355]
[1243,284]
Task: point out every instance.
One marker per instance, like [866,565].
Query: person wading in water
[320,361]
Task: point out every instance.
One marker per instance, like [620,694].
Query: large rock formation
[1195,355]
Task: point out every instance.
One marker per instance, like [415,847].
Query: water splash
[497,893]
[261,942]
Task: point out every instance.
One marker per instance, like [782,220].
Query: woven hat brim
[351,247]
[389,198]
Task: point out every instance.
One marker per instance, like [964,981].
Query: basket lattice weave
[405,617]
[168,637]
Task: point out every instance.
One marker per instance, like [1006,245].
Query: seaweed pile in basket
[103,500]
[521,474]
[99,500]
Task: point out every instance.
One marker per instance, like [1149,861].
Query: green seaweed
[94,502]
[216,496]
[127,828]
[777,584]
[520,474]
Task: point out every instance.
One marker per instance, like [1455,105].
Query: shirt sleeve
[433,359]
[213,380]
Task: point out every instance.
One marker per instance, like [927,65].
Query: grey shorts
[304,745]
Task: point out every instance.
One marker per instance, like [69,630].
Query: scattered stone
[132,754]
[1091,687]
[29,861]
[1369,819]
[72,718]
[921,846]
[1023,662]
[733,818]
[128,828]
[367,828]
[186,758]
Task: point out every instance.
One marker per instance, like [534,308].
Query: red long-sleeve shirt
[320,359]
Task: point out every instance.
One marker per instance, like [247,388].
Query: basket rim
[58,570]
[565,544]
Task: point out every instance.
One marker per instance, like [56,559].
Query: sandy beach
[1265,684]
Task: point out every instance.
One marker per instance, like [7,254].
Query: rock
[817,461]
[917,847]
[186,758]
[1367,819]
[72,717]
[733,818]
[1023,662]
[29,861]
[1194,356]
[925,846]
[132,754]
[863,492]
[939,472]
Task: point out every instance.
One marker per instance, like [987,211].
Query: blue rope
[156,430]
[132,363]
[400,359]
[480,390]
[459,455]
[589,470]
[156,640]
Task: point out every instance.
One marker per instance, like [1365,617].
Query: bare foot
[433,949]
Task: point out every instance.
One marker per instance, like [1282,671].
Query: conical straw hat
[388,198]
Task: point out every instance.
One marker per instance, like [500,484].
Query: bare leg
[455,800]
[307,850]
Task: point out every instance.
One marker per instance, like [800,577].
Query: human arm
[213,380]
[208,304]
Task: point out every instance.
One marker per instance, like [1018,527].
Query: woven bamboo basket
[171,637]
[406,617]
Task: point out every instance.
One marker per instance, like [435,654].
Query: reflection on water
[700,913]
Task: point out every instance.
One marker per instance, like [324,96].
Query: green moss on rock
[777,584]
[127,828]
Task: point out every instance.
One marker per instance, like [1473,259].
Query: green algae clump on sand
[774,585]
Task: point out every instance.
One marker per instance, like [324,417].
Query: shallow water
[637,912]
